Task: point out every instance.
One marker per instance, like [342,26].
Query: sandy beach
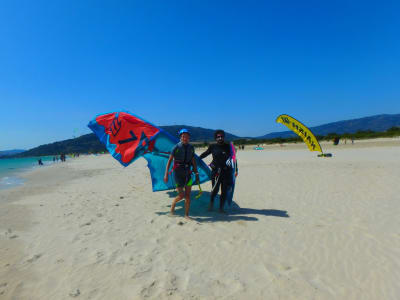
[301,227]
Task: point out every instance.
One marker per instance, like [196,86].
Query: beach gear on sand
[128,137]
[302,131]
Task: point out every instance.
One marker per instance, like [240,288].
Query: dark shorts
[183,177]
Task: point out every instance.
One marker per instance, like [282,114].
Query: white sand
[303,228]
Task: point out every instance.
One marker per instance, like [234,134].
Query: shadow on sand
[199,212]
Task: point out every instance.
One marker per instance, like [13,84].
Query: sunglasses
[219,137]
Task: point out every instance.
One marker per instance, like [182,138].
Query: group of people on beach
[184,163]
[62,157]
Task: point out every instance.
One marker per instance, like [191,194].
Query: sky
[234,65]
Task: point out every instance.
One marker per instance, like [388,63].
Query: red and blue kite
[128,137]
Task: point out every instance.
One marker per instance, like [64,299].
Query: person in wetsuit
[220,172]
[183,156]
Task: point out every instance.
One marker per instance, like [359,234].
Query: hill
[5,153]
[87,143]
[197,134]
[378,123]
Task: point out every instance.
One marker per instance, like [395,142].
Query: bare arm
[196,172]
[167,168]
[194,164]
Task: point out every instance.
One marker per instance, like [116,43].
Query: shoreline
[13,175]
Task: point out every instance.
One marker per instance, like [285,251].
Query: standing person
[183,156]
[220,172]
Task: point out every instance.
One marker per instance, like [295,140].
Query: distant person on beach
[336,141]
[40,163]
[182,156]
[220,172]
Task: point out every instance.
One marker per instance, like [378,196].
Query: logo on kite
[302,131]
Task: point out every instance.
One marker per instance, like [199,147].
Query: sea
[11,169]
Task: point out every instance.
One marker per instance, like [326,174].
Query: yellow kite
[301,130]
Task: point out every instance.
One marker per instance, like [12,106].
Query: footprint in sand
[149,290]
[75,293]
[279,269]
[86,224]
[34,258]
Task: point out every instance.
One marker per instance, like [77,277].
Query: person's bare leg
[177,199]
[188,190]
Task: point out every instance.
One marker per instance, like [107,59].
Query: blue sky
[234,65]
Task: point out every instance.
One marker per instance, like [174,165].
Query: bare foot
[188,218]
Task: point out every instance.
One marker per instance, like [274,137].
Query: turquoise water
[11,168]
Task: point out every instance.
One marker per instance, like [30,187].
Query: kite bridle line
[200,191]
[216,181]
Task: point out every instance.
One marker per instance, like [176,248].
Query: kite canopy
[301,130]
[128,137]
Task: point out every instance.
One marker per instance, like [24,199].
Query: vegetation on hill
[359,135]
[87,143]
[377,123]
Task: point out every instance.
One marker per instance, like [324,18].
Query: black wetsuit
[221,174]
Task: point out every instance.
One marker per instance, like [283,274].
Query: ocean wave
[10,181]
